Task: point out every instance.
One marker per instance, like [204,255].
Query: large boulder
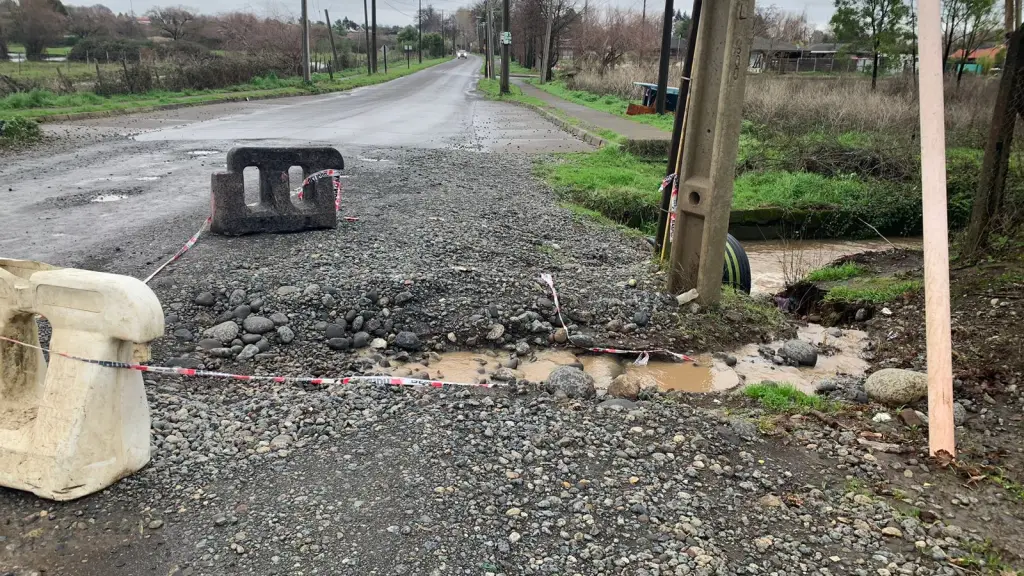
[801,352]
[896,386]
[573,382]
[630,384]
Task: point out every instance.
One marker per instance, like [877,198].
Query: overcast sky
[401,12]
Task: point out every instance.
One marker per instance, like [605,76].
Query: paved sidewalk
[618,124]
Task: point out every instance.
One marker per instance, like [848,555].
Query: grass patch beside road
[43,103]
[610,182]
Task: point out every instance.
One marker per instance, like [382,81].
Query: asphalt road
[132,188]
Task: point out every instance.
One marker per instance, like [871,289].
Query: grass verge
[42,103]
[876,289]
[836,273]
[610,182]
[783,397]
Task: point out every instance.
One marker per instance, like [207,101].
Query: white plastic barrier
[72,428]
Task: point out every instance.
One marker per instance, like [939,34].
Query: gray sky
[402,12]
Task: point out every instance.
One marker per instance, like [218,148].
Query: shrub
[19,131]
[99,49]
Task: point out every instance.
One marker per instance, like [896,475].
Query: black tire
[736,270]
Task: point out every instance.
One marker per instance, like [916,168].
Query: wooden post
[936,243]
[707,163]
[330,34]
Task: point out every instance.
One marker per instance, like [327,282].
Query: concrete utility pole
[505,45]
[707,163]
[366,31]
[305,42]
[373,33]
[666,51]
[488,48]
[545,58]
[419,25]
[941,436]
[330,34]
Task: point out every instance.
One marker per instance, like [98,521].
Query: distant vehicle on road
[462,54]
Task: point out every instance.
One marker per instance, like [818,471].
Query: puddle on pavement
[837,355]
[108,198]
[202,152]
[772,262]
[147,178]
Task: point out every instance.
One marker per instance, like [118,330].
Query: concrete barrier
[69,428]
[275,211]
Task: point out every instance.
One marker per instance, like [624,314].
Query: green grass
[51,51]
[42,103]
[876,289]
[783,397]
[517,68]
[608,103]
[19,132]
[610,182]
[35,71]
[843,271]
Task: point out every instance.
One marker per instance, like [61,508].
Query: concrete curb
[566,126]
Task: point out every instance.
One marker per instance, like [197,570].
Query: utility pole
[330,34]
[305,42]
[546,53]
[491,52]
[488,49]
[643,33]
[506,41]
[373,33]
[444,47]
[707,162]
[666,50]
[366,32]
[662,239]
[419,24]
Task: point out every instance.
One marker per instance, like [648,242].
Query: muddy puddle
[839,353]
[773,262]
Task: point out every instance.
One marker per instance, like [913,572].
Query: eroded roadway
[143,180]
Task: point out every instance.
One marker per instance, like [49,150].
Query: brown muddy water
[772,264]
[839,353]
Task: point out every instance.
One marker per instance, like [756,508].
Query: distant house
[987,52]
[766,54]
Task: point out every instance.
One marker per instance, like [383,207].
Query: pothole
[839,353]
[108,198]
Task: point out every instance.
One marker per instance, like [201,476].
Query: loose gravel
[260,478]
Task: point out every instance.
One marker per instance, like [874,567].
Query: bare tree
[38,24]
[87,21]
[979,24]
[606,37]
[175,22]
[7,8]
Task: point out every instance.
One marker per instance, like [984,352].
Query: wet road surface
[147,176]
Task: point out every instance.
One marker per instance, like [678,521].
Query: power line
[397,10]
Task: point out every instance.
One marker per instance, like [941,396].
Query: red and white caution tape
[644,354]
[335,177]
[386,380]
[191,242]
